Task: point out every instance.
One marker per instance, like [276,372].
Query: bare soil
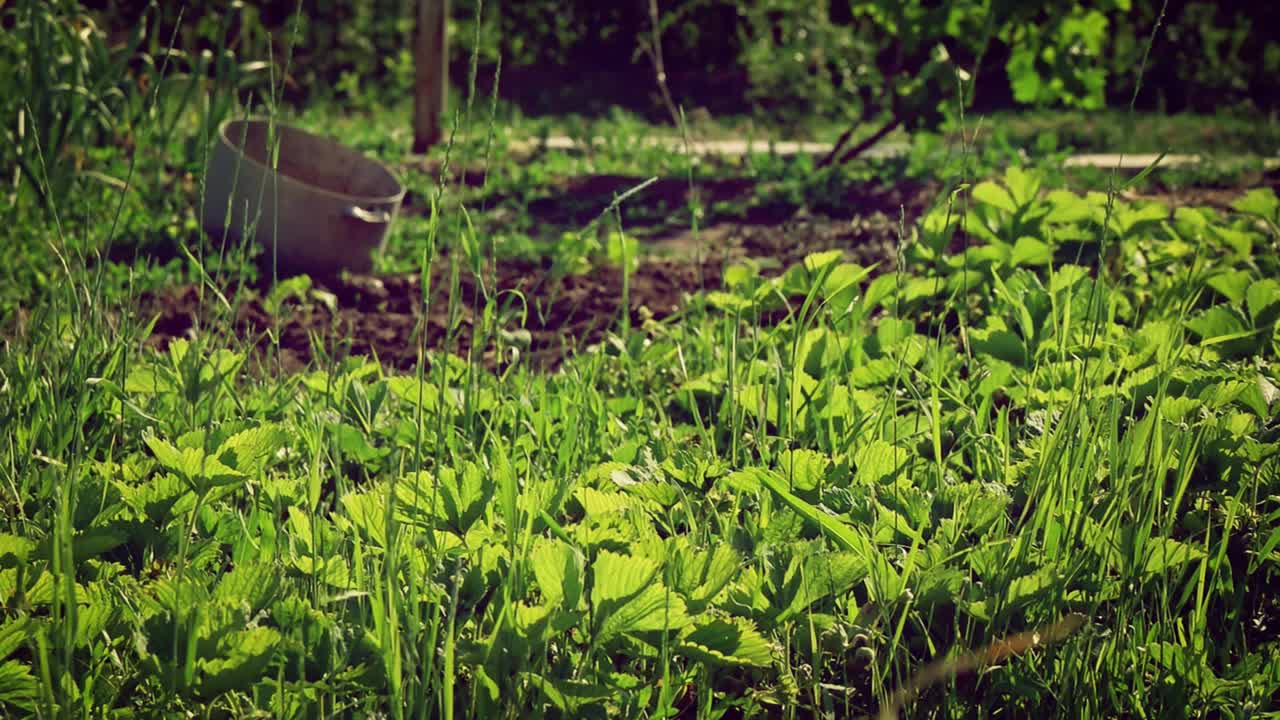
[385,316]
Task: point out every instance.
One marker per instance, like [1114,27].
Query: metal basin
[324,209]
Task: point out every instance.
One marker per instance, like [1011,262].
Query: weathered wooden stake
[431,63]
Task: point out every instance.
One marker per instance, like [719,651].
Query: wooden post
[431,63]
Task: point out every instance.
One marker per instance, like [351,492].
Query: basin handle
[377,217]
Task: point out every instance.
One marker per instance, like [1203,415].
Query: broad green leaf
[14,549]
[596,502]
[820,575]
[844,283]
[14,633]
[1232,284]
[17,685]
[1001,344]
[246,656]
[1259,201]
[745,481]
[1263,302]
[192,464]
[878,289]
[94,616]
[1023,185]
[940,586]
[366,513]
[409,390]
[1030,251]
[728,302]
[1218,321]
[700,575]
[1267,390]
[739,274]
[622,251]
[923,288]
[727,641]
[1239,241]
[874,372]
[617,577]
[570,697]
[294,288]
[1126,218]
[628,598]
[1185,664]
[1161,554]
[993,194]
[819,261]
[879,462]
[251,450]
[558,568]
[147,379]
[1068,207]
[1032,585]
[891,330]
[252,585]
[804,469]
[460,496]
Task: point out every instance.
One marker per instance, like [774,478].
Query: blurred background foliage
[73,70]
[770,56]
[754,54]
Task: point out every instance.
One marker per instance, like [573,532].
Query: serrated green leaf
[1023,184]
[1216,322]
[246,655]
[94,616]
[17,685]
[1259,201]
[879,461]
[250,450]
[570,697]
[1000,344]
[146,379]
[596,502]
[1232,284]
[1262,300]
[1030,251]
[15,631]
[1161,554]
[803,468]
[558,568]
[700,575]
[818,576]
[874,372]
[203,471]
[728,302]
[252,584]
[993,194]
[843,284]
[412,392]
[14,549]
[627,598]
[1068,207]
[819,261]
[732,641]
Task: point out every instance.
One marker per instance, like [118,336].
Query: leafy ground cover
[619,433]
[1054,411]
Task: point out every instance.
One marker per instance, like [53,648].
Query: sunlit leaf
[558,568]
[727,641]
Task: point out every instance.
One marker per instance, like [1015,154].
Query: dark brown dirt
[385,317]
